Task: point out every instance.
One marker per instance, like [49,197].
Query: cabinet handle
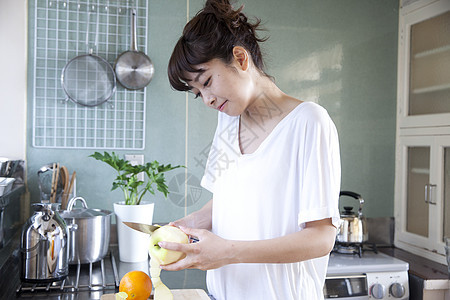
[429,193]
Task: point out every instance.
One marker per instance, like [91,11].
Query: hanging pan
[134,69]
[88,79]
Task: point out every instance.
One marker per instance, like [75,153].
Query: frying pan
[134,69]
[88,79]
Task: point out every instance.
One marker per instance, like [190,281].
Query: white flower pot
[133,245]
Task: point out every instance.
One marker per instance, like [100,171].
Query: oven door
[352,287]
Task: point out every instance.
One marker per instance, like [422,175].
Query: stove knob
[397,290]
[378,291]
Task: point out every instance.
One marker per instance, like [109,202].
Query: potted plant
[133,245]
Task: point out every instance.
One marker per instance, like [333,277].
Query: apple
[166,233]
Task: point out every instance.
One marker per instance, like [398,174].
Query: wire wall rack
[64,29]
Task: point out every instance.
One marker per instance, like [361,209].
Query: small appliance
[43,246]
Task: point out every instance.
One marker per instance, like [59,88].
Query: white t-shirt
[292,178]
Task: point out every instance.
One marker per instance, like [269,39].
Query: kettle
[43,247]
[352,226]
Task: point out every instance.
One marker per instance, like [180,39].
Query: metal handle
[133,30]
[356,196]
[72,227]
[429,194]
[73,200]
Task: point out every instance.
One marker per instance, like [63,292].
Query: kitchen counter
[419,266]
[427,279]
[10,276]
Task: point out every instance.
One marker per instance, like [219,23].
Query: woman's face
[227,88]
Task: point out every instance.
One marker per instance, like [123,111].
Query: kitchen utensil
[58,188]
[145,228]
[45,183]
[52,190]
[48,185]
[65,183]
[149,229]
[55,179]
[88,80]
[43,246]
[89,232]
[353,227]
[68,192]
[134,69]
[65,178]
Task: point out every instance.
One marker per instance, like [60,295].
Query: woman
[273,169]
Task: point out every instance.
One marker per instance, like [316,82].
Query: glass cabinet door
[429,85]
[423,195]
[418,178]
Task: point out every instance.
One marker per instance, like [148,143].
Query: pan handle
[133,30]
[88,49]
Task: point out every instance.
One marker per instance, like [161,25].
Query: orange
[136,284]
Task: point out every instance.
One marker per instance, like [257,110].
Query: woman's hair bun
[233,19]
[222,9]
[211,34]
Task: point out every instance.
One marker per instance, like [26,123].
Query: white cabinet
[422,187]
[423,194]
[424,65]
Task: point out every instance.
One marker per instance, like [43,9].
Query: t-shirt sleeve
[320,176]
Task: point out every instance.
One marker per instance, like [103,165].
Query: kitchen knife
[145,228]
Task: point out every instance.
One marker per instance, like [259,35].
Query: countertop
[419,266]
[187,279]
[10,276]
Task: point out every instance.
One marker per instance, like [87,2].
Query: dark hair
[212,34]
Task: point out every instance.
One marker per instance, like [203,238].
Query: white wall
[13,78]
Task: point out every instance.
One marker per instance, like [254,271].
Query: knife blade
[145,228]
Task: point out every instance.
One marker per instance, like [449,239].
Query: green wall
[341,54]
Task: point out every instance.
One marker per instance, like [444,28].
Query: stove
[354,248]
[366,275]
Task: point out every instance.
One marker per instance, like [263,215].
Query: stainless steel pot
[353,226]
[43,246]
[89,232]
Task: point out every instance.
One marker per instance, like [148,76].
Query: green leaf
[127,180]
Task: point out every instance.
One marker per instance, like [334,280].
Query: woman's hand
[197,219]
[188,222]
[210,252]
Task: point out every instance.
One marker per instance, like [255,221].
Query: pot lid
[83,213]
